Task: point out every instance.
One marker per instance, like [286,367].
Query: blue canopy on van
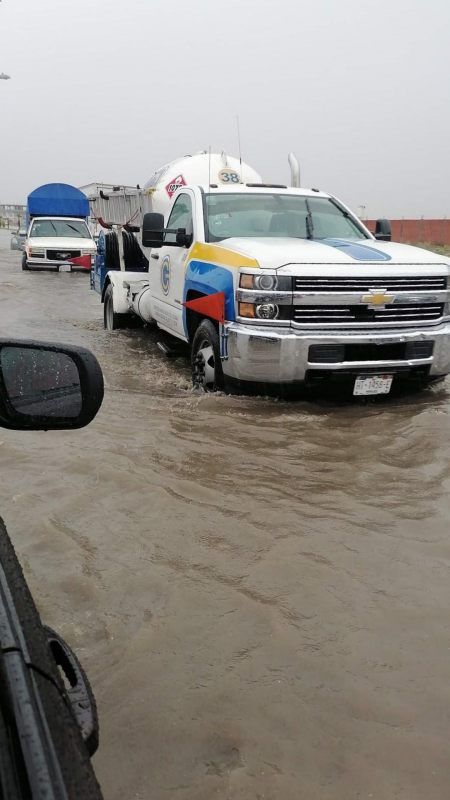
[57,200]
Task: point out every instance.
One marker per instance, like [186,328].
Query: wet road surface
[259,590]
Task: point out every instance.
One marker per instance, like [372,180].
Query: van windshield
[76,229]
[277,215]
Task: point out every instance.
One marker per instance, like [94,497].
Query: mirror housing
[153,230]
[183,239]
[45,386]
[383,230]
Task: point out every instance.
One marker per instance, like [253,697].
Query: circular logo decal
[165,274]
[229,176]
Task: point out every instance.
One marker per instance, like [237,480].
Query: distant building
[12,215]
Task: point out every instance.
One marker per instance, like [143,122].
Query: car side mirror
[383,230]
[46,387]
[183,239]
[153,230]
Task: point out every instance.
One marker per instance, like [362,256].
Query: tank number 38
[229,176]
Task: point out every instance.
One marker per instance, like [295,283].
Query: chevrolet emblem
[377,298]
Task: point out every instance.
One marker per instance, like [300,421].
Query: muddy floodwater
[258,589]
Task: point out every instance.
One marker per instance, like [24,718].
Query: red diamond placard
[175,184]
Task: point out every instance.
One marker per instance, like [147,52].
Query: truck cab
[261,232]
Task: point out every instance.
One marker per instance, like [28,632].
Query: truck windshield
[277,215]
[75,229]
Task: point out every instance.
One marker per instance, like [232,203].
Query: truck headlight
[267,311]
[266,281]
[37,251]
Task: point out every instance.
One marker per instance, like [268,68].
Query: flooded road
[259,590]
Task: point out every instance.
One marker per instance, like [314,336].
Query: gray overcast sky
[108,90]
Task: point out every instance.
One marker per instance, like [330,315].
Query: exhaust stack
[295,170]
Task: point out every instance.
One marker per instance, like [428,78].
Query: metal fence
[430,231]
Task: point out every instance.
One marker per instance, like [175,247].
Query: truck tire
[206,366]
[71,752]
[111,320]
[24,262]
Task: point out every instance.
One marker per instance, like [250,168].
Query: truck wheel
[207,372]
[24,261]
[111,319]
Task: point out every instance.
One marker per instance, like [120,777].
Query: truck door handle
[155,256]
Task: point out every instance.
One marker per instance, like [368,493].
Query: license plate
[372,384]
[65,267]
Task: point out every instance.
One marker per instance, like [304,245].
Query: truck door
[167,270]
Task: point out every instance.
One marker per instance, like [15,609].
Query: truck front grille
[362,314]
[62,255]
[397,284]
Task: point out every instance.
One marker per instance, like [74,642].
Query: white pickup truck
[278,286]
[58,243]
[58,237]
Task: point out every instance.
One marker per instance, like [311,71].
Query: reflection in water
[259,590]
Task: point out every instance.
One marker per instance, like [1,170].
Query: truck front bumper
[282,355]
[61,266]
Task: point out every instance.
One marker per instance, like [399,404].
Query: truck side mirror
[383,230]
[153,230]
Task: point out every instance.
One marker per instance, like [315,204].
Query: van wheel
[111,319]
[207,372]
